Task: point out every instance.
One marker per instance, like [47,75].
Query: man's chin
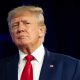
[23,44]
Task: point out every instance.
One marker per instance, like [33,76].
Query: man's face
[25,30]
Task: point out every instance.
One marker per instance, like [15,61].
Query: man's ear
[41,31]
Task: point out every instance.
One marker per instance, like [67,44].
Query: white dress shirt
[36,64]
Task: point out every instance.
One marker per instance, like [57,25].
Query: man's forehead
[20,14]
[23,18]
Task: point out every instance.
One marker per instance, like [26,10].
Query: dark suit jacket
[55,67]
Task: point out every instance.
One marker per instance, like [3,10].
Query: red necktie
[27,73]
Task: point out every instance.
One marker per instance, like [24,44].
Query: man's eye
[26,22]
[14,26]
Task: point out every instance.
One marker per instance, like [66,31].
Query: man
[27,29]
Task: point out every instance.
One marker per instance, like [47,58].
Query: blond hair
[37,11]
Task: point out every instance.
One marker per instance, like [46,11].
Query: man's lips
[22,37]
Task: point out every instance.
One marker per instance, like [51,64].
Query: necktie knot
[29,57]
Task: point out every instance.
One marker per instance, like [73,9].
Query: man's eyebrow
[14,23]
[25,21]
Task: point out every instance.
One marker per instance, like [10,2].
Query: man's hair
[37,11]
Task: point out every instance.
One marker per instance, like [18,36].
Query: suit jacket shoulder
[66,66]
[9,68]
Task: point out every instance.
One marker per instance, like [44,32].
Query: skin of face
[26,33]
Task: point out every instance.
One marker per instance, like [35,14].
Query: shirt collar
[38,53]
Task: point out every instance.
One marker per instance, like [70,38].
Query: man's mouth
[22,37]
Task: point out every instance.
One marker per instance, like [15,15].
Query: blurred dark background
[62,19]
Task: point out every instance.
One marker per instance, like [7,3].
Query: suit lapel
[52,67]
[12,68]
[47,68]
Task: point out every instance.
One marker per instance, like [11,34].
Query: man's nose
[20,28]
